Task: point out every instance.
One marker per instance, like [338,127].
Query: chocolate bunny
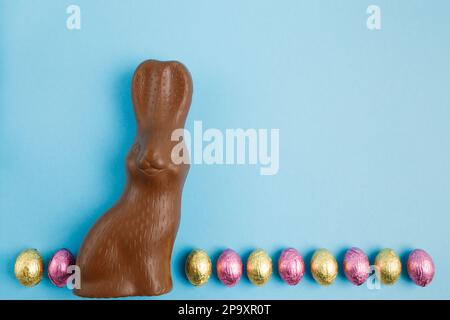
[128,250]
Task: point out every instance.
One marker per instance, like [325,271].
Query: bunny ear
[145,88]
[161,91]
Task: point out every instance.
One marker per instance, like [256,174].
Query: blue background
[363,116]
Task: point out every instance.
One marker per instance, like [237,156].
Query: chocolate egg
[356,266]
[57,267]
[229,268]
[388,266]
[324,267]
[259,267]
[198,267]
[420,267]
[29,267]
[291,266]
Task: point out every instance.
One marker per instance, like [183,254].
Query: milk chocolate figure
[128,251]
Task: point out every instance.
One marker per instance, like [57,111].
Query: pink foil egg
[229,268]
[420,267]
[291,266]
[57,267]
[356,266]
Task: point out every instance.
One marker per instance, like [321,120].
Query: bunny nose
[150,161]
[143,163]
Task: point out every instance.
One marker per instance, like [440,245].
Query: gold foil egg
[324,267]
[29,267]
[259,267]
[198,267]
[388,266]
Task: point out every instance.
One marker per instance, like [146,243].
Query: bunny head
[161,94]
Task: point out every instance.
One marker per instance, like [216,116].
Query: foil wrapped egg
[388,266]
[356,266]
[324,267]
[58,265]
[29,267]
[291,266]
[198,267]
[259,267]
[420,267]
[229,268]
